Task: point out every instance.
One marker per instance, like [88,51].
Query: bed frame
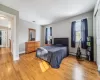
[63,41]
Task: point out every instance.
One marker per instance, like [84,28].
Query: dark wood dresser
[31,46]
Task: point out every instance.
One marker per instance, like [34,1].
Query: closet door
[98,37]
[98,24]
[4,38]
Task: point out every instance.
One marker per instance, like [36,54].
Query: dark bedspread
[54,56]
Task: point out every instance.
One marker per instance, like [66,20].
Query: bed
[55,53]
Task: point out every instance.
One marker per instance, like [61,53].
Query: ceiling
[45,12]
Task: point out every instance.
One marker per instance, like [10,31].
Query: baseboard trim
[72,53]
[22,52]
[99,68]
[16,58]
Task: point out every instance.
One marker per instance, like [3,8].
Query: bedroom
[50,33]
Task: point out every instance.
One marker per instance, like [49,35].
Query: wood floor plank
[29,67]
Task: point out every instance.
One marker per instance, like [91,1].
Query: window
[48,36]
[48,33]
[78,31]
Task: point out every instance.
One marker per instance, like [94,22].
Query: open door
[3,38]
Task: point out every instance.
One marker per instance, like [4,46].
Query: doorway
[8,23]
[3,38]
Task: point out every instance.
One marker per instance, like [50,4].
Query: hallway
[6,68]
[5,56]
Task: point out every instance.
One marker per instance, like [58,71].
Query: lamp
[2,17]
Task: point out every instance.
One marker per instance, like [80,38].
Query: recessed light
[2,17]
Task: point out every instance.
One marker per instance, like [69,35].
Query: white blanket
[44,50]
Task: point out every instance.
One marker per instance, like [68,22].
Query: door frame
[15,46]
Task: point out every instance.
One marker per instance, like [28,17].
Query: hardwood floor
[31,68]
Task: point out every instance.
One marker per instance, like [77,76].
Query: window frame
[76,40]
[47,33]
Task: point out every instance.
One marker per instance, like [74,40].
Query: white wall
[42,35]
[94,36]
[23,33]
[63,28]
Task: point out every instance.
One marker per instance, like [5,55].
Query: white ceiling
[49,11]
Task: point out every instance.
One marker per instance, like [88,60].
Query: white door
[98,37]
[3,38]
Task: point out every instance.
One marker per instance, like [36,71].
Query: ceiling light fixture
[2,17]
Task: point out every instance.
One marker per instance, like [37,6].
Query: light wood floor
[31,68]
